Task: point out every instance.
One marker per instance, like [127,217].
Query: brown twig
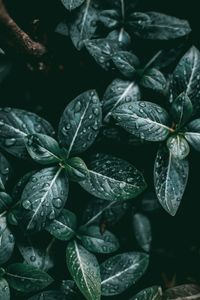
[15,37]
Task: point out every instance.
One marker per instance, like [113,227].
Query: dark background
[67,73]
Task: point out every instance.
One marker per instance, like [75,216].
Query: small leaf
[7,241]
[112,178]
[181,109]
[64,226]
[154,79]
[84,269]
[142,231]
[184,291]
[15,125]
[158,26]
[26,278]
[170,179]
[126,63]
[151,293]
[5,171]
[80,122]
[192,134]
[102,50]
[95,241]
[186,77]
[4,289]
[43,148]
[49,295]
[84,24]
[110,18]
[143,119]
[5,202]
[178,146]
[120,272]
[76,169]
[72,4]
[121,36]
[117,93]
[44,197]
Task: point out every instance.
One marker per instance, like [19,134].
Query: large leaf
[84,25]
[170,179]
[64,226]
[84,269]
[186,77]
[184,292]
[7,241]
[154,79]
[26,278]
[151,293]
[126,63]
[43,148]
[178,146]
[80,122]
[192,134]
[5,171]
[49,295]
[4,289]
[44,197]
[72,4]
[142,231]
[98,242]
[121,271]
[117,93]
[143,119]
[15,125]
[112,178]
[154,25]
[181,109]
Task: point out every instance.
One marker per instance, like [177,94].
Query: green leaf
[76,169]
[98,242]
[181,109]
[26,278]
[113,179]
[5,202]
[117,93]
[192,134]
[5,171]
[178,146]
[44,197]
[64,226]
[186,77]
[49,295]
[121,36]
[7,241]
[98,210]
[62,29]
[146,120]
[110,18]
[15,125]
[80,122]
[151,293]
[142,231]
[72,4]
[19,186]
[69,288]
[126,62]
[84,25]
[84,269]
[4,289]
[43,148]
[170,179]
[154,79]
[120,272]
[158,26]
[102,50]
[184,291]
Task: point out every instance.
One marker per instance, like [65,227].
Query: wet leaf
[154,79]
[126,63]
[192,134]
[178,146]
[181,109]
[184,291]
[151,293]
[4,289]
[7,241]
[5,170]
[5,202]
[72,4]
[142,231]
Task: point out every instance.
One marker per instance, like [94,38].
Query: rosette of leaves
[174,129]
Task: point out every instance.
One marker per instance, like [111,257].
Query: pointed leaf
[72,4]
[192,134]
[15,125]
[181,109]
[84,269]
[126,62]
[170,179]
[110,18]
[112,178]
[7,241]
[80,122]
[44,197]
[5,171]
[4,289]
[26,278]
[154,79]
[64,226]
[151,293]
[121,271]
[95,241]
[178,146]
[184,291]
[76,169]
[143,119]
[121,36]
[142,231]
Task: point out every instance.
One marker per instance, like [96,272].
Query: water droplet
[26,204]
[10,142]
[57,202]
[38,128]
[77,107]
[33,258]
[122,185]
[11,238]
[96,111]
